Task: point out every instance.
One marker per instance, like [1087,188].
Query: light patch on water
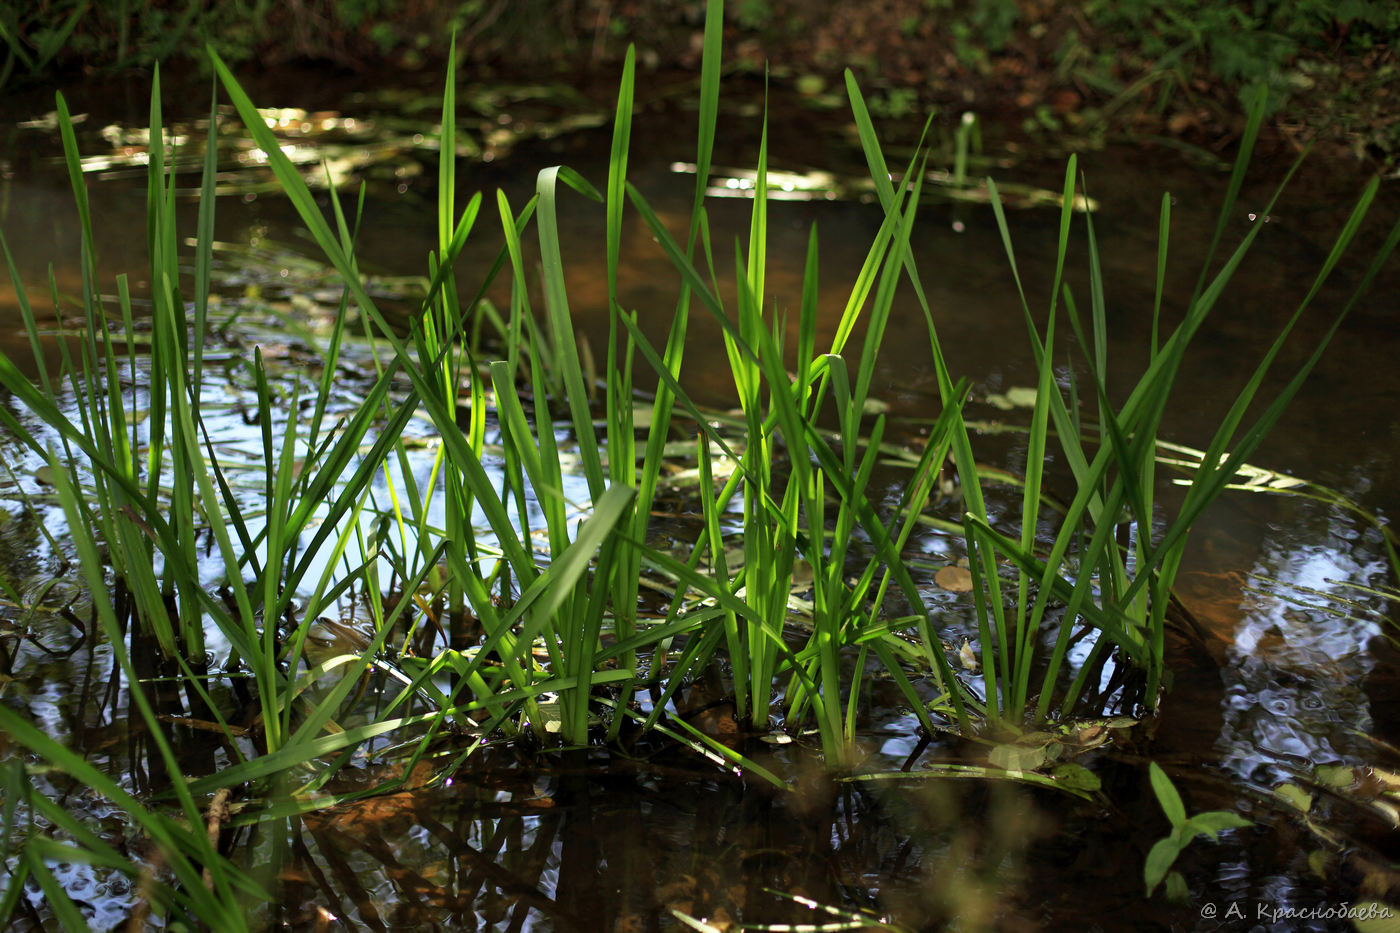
[104,898]
[1294,691]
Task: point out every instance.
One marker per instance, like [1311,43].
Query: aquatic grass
[784,505]
[1120,580]
[541,593]
[788,475]
[110,437]
[532,463]
[1123,597]
[211,889]
[533,467]
[154,532]
[434,346]
[308,475]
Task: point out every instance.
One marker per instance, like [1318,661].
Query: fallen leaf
[968,657]
[1021,396]
[954,579]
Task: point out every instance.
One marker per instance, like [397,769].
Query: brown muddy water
[1299,670]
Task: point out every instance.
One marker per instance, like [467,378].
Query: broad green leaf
[1167,795]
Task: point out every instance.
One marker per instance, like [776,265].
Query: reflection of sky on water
[228,404]
[1294,676]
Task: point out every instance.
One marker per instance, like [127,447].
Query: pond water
[1299,663]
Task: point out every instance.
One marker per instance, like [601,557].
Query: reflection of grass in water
[482,634]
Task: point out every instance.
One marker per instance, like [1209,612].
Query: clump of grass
[1108,562]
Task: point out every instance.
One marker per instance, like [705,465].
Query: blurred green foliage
[979,29]
[105,35]
[1236,44]
[1248,42]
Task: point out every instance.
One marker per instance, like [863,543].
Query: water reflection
[610,844]
[1299,657]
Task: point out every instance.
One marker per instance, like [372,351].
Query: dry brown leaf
[954,579]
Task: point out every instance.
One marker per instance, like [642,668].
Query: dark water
[1298,669]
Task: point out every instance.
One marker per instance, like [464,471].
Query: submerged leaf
[1076,776]
[1389,780]
[1294,796]
[997,400]
[1018,757]
[1211,822]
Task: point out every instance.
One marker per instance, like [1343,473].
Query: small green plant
[968,139]
[1184,830]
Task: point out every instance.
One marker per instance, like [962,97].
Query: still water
[1298,668]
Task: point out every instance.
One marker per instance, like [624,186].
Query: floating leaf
[954,579]
[1334,775]
[968,657]
[999,401]
[1021,396]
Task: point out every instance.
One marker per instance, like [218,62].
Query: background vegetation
[1175,68]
